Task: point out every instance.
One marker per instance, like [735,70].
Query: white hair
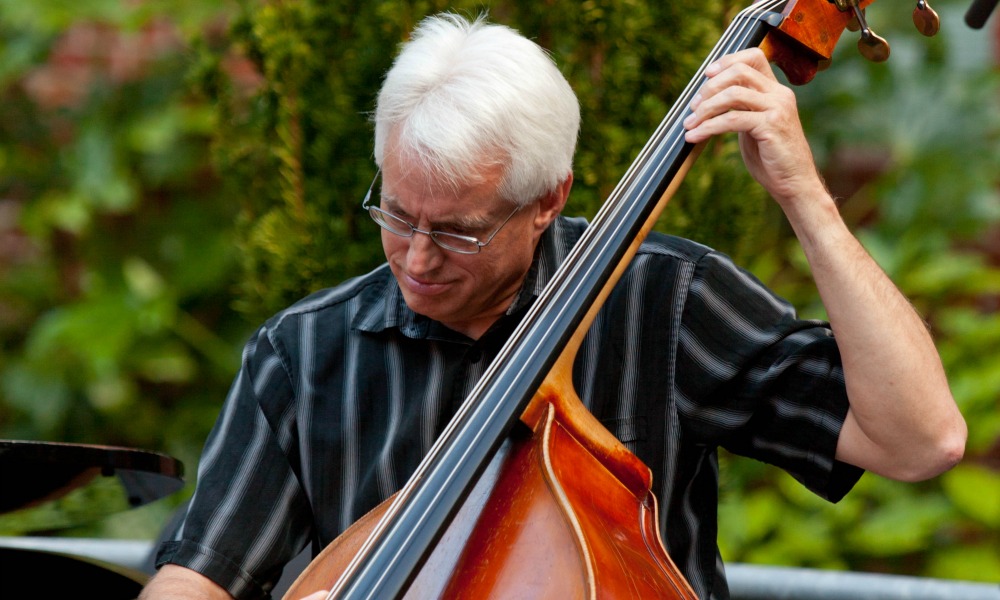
[463,94]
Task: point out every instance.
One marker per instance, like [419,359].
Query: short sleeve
[249,514]
[759,381]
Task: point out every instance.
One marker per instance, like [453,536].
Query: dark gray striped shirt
[341,395]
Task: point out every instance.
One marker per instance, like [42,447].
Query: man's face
[465,292]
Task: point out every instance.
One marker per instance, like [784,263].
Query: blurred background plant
[117,266]
[173,172]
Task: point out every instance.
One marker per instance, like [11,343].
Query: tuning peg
[926,19]
[871,45]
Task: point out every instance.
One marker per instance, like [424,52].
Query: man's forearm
[178,583]
[903,422]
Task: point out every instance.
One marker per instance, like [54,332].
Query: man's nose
[423,255]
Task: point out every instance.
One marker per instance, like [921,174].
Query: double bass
[525,494]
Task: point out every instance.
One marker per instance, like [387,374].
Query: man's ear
[550,205]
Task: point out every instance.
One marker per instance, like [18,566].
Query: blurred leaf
[973,562]
[100,178]
[905,525]
[97,331]
[750,520]
[42,397]
[975,491]
[67,211]
[142,279]
[800,540]
[952,273]
[165,363]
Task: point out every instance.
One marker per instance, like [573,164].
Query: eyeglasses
[462,244]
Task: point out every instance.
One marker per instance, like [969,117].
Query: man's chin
[430,307]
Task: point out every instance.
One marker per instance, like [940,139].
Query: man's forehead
[443,205]
[405,186]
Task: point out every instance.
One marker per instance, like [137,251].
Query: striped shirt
[340,396]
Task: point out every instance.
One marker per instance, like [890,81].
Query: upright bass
[525,494]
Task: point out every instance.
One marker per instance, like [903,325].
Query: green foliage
[116,261]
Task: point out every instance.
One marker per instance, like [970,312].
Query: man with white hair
[340,395]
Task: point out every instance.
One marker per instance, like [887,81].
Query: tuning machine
[871,45]
[926,19]
[874,47]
